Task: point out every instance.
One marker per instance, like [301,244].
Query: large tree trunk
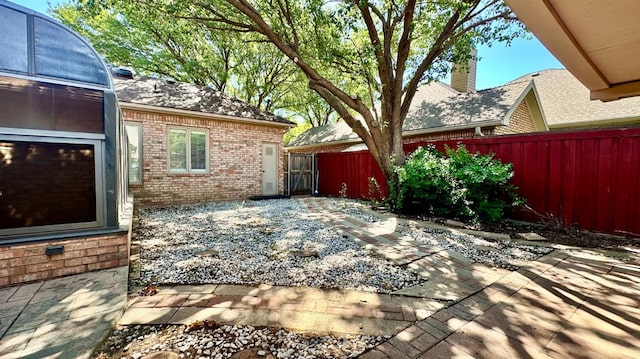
[397,159]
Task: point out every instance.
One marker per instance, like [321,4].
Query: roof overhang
[597,41]
[209,116]
[631,121]
[351,141]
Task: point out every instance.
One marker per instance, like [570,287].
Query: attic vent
[155,88]
[124,73]
[536,74]
[171,81]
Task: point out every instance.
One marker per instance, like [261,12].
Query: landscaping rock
[454,224]
[488,248]
[531,236]
[252,354]
[305,253]
[250,254]
[209,253]
[162,355]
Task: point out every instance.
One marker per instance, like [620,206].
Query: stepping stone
[531,236]
[305,253]
[208,253]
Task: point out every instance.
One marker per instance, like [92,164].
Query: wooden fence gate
[301,176]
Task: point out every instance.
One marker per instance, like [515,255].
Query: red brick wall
[449,135]
[23,263]
[235,160]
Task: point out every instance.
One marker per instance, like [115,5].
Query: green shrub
[460,185]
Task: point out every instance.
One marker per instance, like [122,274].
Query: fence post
[289,174]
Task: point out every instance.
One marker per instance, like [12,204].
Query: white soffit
[597,41]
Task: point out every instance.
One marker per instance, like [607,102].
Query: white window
[188,150]
[134,135]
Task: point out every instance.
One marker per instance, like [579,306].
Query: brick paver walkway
[298,308]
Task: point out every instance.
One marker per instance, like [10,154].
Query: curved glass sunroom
[61,138]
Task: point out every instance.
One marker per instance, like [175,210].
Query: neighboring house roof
[436,107]
[332,133]
[566,103]
[147,91]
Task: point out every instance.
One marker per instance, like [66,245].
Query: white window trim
[189,170]
[140,153]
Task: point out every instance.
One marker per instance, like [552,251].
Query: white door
[269,169]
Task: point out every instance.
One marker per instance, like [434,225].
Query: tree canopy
[240,65]
[364,58]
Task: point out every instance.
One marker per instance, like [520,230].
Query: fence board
[587,178]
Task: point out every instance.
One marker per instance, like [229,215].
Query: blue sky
[497,65]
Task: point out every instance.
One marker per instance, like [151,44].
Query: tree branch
[435,51]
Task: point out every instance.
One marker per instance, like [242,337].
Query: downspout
[479,131]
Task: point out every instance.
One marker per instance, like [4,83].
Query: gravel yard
[274,242]
[497,253]
[266,242]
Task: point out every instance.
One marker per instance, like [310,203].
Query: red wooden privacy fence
[588,178]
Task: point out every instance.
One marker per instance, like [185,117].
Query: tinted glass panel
[61,54]
[198,150]
[46,184]
[135,152]
[178,150]
[43,106]
[13,41]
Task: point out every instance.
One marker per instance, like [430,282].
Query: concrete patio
[61,318]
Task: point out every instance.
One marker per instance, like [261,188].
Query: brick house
[190,144]
[64,207]
[549,100]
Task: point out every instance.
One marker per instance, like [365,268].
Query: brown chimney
[463,78]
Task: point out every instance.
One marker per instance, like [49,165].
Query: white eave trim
[324,144]
[601,123]
[209,116]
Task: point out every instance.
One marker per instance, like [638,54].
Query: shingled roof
[565,102]
[436,107]
[184,96]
